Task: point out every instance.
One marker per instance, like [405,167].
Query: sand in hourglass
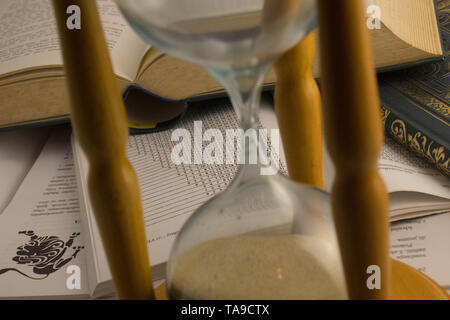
[259,267]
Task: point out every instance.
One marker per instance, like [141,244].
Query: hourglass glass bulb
[259,242]
[264,236]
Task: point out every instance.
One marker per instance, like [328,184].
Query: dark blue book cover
[415,103]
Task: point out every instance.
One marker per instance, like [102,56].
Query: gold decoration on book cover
[384,115]
[425,98]
[422,146]
[398,129]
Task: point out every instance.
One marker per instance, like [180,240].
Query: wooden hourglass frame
[352,127]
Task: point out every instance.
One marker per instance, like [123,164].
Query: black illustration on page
[44,254]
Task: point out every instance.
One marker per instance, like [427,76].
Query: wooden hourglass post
[299,113]
[100,125]
[354,139]
[297,98]
[354,136]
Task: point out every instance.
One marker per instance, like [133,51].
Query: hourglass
[264,233]
[265,236]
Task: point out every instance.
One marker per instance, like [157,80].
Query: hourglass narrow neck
[244,88]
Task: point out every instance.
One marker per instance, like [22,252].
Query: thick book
[32,83]
[415,103]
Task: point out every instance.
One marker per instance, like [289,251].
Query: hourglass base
[160,292]
[407,284]
[411,284]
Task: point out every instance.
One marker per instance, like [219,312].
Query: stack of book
[415,102]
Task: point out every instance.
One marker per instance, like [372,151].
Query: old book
[32,85]
[416,103]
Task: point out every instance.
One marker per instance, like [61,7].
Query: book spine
[416,140]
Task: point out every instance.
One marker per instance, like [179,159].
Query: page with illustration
[29,39]
[42,250]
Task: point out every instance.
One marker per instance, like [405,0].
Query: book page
[29,38]
[423,243]
[40,230]
[415,187]
[126,47]
[403,171]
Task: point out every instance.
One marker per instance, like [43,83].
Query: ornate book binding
[416,102]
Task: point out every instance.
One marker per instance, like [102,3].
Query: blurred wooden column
[100,125]
[299,113]
[354,136]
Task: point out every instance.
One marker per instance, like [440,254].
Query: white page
[46,205]
[28,37]
[126,47]
[403,174]
[402,171]
[424,244]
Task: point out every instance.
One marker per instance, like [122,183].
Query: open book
[52,207]
[32,87]
[171,193]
